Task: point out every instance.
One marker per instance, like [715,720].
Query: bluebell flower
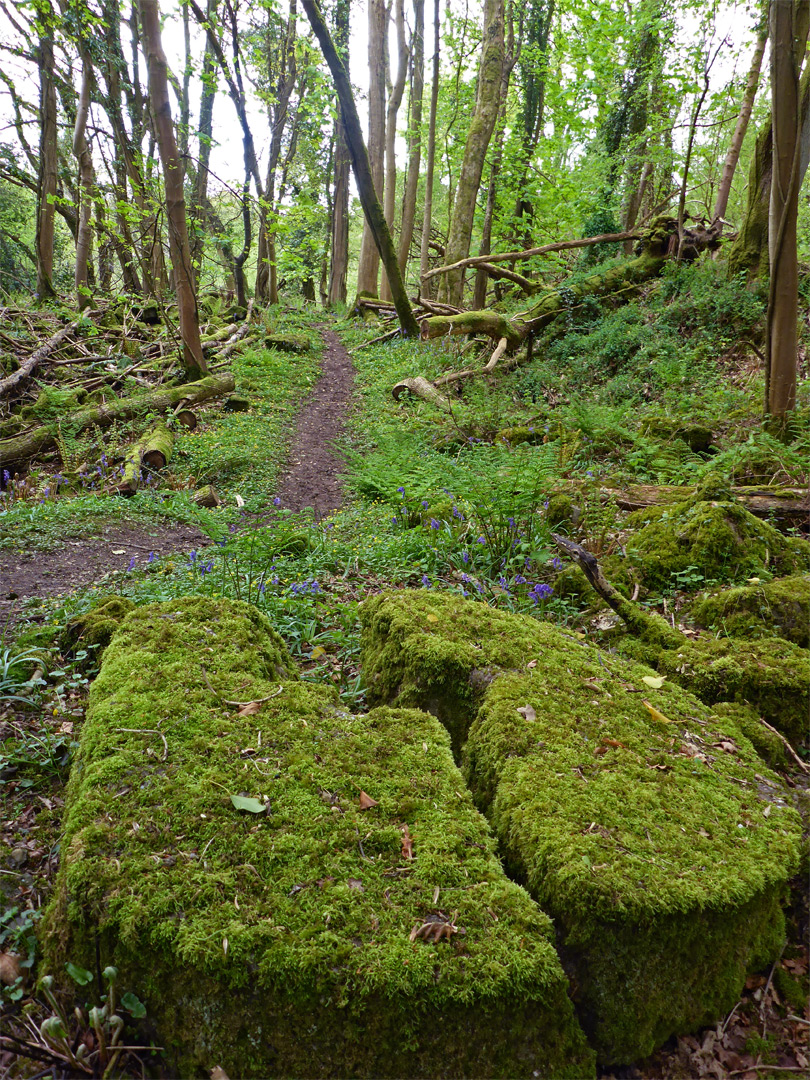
[520,579]
[401,490]
[465,577]
[394,521]
[425,580]
[192,557]
[261,587]
[151,557]
[425,504]
[465,557]
[277,501]
[457,513]
[132,563]
[434,524]
[556,563]
[481,540]
[314,587]
[274,579]
[511,523]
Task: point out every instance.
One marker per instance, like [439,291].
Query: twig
[148,731]
[256,701]
[801,763]
[770,1068]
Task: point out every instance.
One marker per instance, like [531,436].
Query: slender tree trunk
[415,135]
[481,127]
[205,136]
[746,105]
[48,179]
[789,29]
[81,151]
[395,94]
[342,166]
[377,25]
[362,171]
[427,220]
[193,359]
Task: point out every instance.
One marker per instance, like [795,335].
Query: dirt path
[313,478]
[314,475]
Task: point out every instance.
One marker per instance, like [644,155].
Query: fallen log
[151,451]
[35,359]
[789,506]
[421,388]
[21,448]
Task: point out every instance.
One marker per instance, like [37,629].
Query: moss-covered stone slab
[351,919]
[96,626]
[437,652]
[778,608]
[720,540]
[771,675]
[658,841]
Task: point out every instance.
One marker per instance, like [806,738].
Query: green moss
[722,540]
[792,992]
[778,608]
[52,404]
[747,721]
[279,943]
[561,510]
[660,846]
[773,676]
[97,626]
[438,652]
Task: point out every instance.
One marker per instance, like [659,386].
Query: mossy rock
[721,540]
[562,510]
[661,846]
[771,675]
[780,607]
[97,626]
[747,721]
[697,437]
[438,652]
[53,404]
[284,942]
[520,436]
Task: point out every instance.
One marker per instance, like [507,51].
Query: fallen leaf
[529,713]
[435,931]
[225,945]
[727,745]
[354,883]
[10,969]
[317,652]
[614,743]
[253,806]
[119,551]
[532,664]
[218,1073]
[240,502]
[654,713]
[366,801]
[432,618]
[250,709]
[407,843]
[654,681]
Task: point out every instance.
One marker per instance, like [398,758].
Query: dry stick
[148,731]
[35,359]
[256,701]
[499,351]
[801,764]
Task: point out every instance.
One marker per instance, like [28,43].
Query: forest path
[312,477]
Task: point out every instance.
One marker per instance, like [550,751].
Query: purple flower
[425,504]
[511,523]
[520,579]
[425,580]
[394,521]
[261,587]
[541,591]
[192,558]
[465,578]
[131,563]
[314,587]
[434,524]
[232,528]
[151,557]
[481,540]
[465,557]
[457,513]
[401,490]
[274,579]
[277,501]
[556,563]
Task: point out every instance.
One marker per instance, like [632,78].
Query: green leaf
[655,681]
[134,1006]
[79,975]
[243,802]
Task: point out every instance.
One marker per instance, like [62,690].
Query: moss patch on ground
[773,676]
[659,843]
[433,651]
[301,939]
[778,608]
[721,540]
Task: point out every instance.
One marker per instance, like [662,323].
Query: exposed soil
[314,478]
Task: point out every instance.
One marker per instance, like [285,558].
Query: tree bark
[204,140]
[21,448]
[481,127]
[179,250]
[48,178]
[339,263]
[369,256]
[395,93]
[362,171]
[789,30]
[81,151]
[427,219]
[415,136]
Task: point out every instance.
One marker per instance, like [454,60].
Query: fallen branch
[20,448]
[501,348]
[35,359]
[529,253]
[802,765]
[791,506]
[421,388]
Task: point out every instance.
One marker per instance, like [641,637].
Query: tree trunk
[339,264]
[415,136]
[179,250]
[427,219]
[81,151]
[377,25]
[746,105]
[475,150]
[204,138]
[395,93]
[362,171]
[48,179]
[789,29]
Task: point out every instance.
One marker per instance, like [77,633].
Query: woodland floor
[312,478]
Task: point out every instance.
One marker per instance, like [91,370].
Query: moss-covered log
[760,609]
[18,450]
[646,824]
[787,506]
[153,451]
[350,920]
[423,389]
